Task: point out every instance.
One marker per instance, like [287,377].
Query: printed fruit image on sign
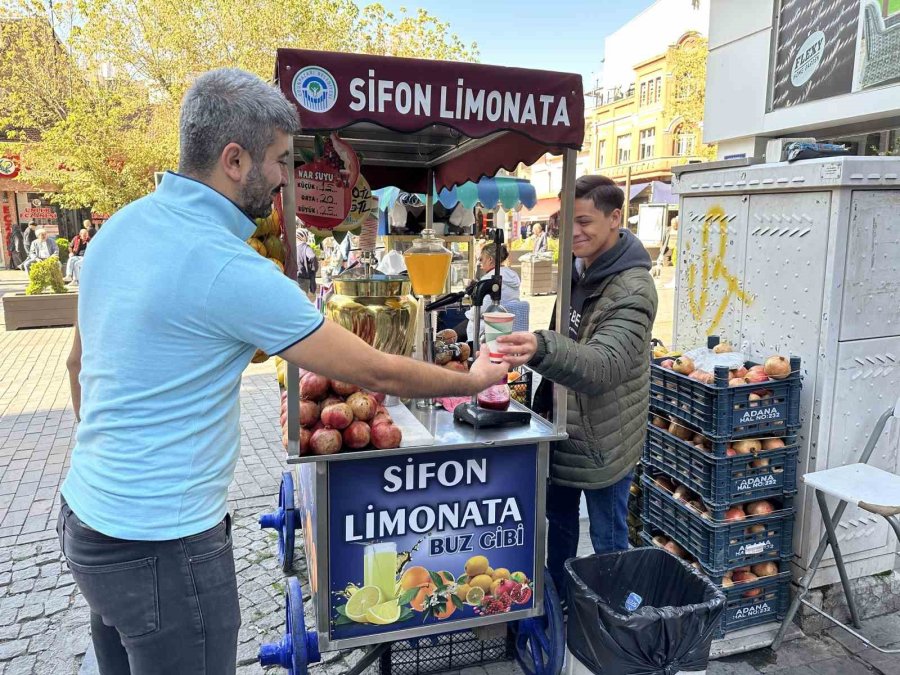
[325,186]
[431,538]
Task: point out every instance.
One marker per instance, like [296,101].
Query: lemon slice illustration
[361,601]
[383,614]
[475,596]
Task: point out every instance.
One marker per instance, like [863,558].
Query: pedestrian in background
[41,248]
[307,263]
[604,363]
[29,234]
[540,239]
[76,253]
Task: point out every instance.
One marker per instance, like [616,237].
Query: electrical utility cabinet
[804,259]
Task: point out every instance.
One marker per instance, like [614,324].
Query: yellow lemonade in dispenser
[428,271]
[380,568]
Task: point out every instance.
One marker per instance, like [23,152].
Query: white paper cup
[495,325]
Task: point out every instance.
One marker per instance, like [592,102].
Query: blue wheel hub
[541,640]
[285,521]
[299,647]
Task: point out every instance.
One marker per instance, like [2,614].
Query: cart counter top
[448,434]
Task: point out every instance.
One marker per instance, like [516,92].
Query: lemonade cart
[447,531]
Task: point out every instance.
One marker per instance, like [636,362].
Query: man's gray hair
[230,106]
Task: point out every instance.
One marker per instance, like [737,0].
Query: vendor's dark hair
[491,250]
[606,195]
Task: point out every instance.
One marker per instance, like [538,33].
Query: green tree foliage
[688,67]
[104,93]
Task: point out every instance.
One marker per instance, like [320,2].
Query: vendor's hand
[487,373]
[517,348]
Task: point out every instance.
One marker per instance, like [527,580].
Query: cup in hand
[495,325]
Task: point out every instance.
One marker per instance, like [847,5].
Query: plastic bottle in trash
[632,602]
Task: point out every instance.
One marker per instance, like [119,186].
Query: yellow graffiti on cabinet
[712,267]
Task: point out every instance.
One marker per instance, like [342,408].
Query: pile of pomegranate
[739,575]
[745,446]
[775,367]
[682,493]
[336,415]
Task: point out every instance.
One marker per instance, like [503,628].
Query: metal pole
[627,208]
[292,373]
[838,558]
[564,277]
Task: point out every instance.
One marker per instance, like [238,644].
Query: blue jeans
[607,512]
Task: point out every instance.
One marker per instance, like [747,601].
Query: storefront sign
[323,200]
[7,224]
[826,49]
[430,538]
[334,89]
[9,167]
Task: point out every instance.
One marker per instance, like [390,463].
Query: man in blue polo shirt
[172,305]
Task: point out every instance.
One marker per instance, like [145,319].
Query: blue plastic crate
[769,602]
[719,546]
[721,412]
[721,481]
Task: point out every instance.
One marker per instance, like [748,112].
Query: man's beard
[256,195]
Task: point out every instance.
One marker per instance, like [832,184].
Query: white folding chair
[871,489]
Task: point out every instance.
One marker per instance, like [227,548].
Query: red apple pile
[336,415]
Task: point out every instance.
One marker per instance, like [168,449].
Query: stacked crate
[538,277]
[723,503]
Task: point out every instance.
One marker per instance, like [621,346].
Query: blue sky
[565,35]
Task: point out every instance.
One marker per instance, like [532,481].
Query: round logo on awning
[315,89]
[809,56]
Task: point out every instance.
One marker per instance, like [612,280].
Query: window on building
[601,154]
[651,91]
[647,143]
[643,93]
[684,144]
[623,149]
[658,89]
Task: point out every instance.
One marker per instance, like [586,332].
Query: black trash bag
[640,612]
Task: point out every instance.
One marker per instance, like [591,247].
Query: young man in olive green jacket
[604,362]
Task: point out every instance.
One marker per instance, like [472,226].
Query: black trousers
[157,607]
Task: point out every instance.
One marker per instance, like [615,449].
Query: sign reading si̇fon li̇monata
[333,90]
[430,538]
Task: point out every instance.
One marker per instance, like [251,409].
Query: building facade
[627,130]
[632,137]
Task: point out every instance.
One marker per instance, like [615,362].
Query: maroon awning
[541,111]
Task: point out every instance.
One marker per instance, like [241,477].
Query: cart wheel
[541,641]
[299,647]
[285,520]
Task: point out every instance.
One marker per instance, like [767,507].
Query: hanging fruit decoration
[332,195]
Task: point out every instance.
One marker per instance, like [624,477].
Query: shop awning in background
[637,189]
[491,193]
[542,210]
[662,193]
